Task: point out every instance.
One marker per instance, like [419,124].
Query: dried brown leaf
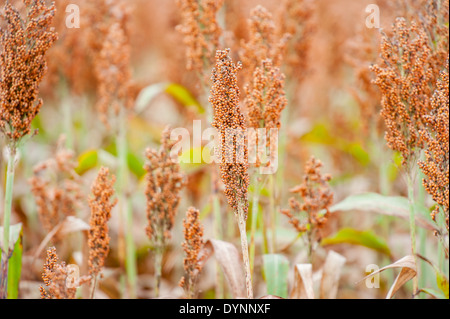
[408,271]
[330,275]
[303,282]
[229,259]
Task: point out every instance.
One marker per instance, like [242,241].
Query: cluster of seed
[164,183]
[363,50]
[228,116]
[406,81]
[57,279]
[56,188]
[436,163]
[263,43]
[109,48]
[101,203]
[201,32]
[192,246]
[114,74]
[23,45]
[54,277]
[68,59]
[296,19]
[316,197]
[265,99]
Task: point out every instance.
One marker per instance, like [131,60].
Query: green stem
[412,227]
[218,235]
[273,216]
[126,212]
[7,220]
[158,270]
[244,246]
[255,209]
[423,279]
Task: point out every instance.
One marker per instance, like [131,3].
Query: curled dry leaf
[303,282]
[330,275]
[408,271]
[69,225]
[228,257]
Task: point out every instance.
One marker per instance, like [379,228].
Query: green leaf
[87,161]
[441,279]
[186,159]
[177,91]
[136,165]
[182,95]
[387,205]
[15,261]
[434,293]
[356,237]
[276,268]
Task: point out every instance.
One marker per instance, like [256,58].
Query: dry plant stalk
[101,203]
[228,118]
[201,32]
[23,44]
[192,246]
[310,215]
[436,163]
[164,182]
[56,187]
[60,282]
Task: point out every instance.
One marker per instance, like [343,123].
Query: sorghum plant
[263,43]
[201,32]
[164,183]
[436,162]
[310,215]
[234,171]
[101,203]
[56,188]
[59,281]
[23,45]
[192,246]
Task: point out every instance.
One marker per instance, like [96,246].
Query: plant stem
[423,279]
[218,234]
[94,285]
[7,220]
[126,213]
[273,216]
[412,227]
[244,246]
[255,209]
[158,270]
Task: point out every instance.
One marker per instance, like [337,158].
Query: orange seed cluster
[23,45]
[228,116]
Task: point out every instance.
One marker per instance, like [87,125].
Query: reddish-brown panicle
[192,246]
[164,183]
[436,135]
[230,124]
[101,203]
[23,45]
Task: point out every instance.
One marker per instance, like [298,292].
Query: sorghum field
[224,149]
